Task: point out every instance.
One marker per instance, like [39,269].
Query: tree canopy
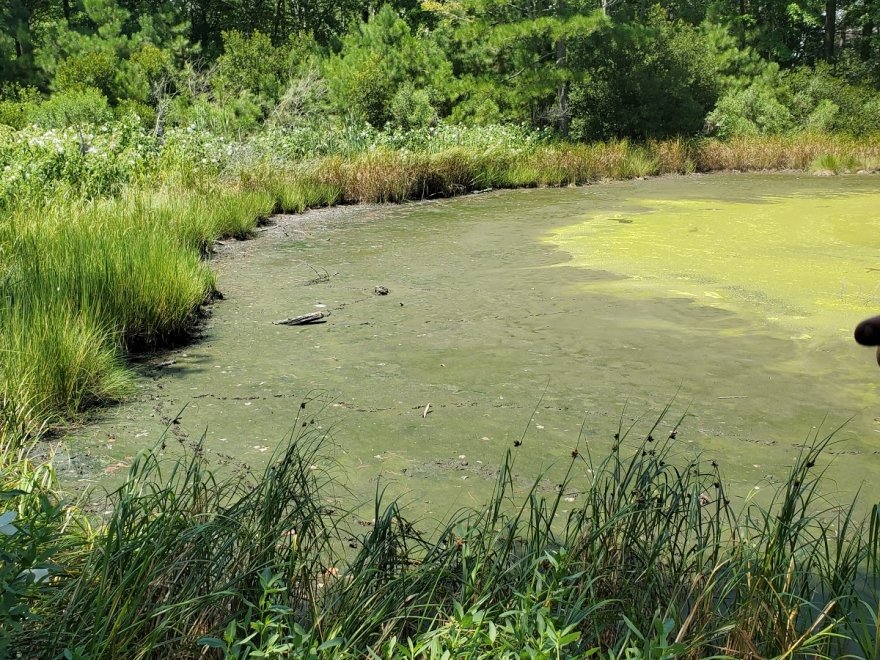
[589,69]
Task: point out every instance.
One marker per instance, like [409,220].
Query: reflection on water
[735,295]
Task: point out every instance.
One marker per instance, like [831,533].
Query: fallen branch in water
[305,319]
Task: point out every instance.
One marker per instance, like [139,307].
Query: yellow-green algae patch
[804,262]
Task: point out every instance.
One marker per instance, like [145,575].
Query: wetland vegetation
[135,135]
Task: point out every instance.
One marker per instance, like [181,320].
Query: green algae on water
[805,261]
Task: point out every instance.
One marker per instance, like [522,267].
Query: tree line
[587,69]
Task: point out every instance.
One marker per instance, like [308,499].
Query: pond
[535,316]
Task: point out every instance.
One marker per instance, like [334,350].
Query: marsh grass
[652,558]
[834,164]
[795,152]
[56,364]
[181,552]
[83,282]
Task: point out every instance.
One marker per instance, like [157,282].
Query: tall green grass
[652,560]
[83,282]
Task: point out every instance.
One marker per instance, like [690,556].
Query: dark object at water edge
[305,319]
[868,333]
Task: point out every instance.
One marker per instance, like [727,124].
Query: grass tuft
[653,558]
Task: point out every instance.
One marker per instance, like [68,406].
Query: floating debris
[304,319]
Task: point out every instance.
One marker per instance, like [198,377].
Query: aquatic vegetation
[653,557]
[833,164]
[794,152]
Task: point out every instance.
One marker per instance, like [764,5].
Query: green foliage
[651,81]
[268,629]
[17,105]
[79,72]
[153,62]
[650,563]
[59,363]
[144,113]
[513,61]
[251,64]
[84,160]
[31,538]
[755,110]
[77,107]
[735,65]
[186,551]
[820,100]
[411,108]
[218,113]
[379,58]
[833,164]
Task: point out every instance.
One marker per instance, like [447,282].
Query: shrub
[17,105]
[151,61]
[823,118]
[651,81]
[411,108]
[755,110]
[82,71]
[812,92]
[75,107]
[376,60]
[252,64]
[145,114]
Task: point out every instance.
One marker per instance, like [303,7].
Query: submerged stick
[305,319]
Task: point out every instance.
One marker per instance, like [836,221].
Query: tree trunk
[65,8]
[278,22]
[563,90]
[830,28]
[561,53]
[865,46]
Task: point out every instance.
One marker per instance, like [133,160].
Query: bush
[152,62]
[80,72]
[17,105]
[145,114]
[753,111]
[811,93]
[251,64]
[411,108]
[652,81]
[76,107]
[376,61]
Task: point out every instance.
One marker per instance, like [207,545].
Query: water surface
[733,296]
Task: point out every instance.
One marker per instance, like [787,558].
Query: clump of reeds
[652,557]
[829,164]
[780,152]
[83,280]
[181,551]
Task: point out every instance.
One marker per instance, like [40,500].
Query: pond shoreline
[266,278]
